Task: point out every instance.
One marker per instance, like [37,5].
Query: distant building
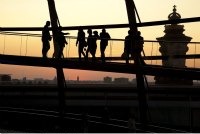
[121,80]
[107,79]
[24,79]
[38,81]
[5,78]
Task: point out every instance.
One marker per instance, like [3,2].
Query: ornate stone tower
[174,42]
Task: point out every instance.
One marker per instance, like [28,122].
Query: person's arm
[66,41]
[125,42]
[49,36]
[76,42]
[77,39]
[109,36]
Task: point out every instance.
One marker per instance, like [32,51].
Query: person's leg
[60,51]
[127,56]
[141,59]
[95,49]
[43,52]
[93,52]
[79,52]
[101,50]
[86,55]
[44,49]
[103,53]
[47,48]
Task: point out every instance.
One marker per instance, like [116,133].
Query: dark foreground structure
[98,108]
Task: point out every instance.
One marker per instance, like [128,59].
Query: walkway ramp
[73,63]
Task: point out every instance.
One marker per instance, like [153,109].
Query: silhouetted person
[133,46]
[139,41]
[81,42]
[128,46]
[89,43]
[104,36]
[46,37]
[61,42]
[94,45]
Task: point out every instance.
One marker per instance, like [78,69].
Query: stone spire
[174,42]
[174,15]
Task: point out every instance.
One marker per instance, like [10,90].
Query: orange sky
[85,12]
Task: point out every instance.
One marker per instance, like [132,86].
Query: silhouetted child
[46,37]
[104,36]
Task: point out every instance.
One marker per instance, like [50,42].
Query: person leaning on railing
[133,45]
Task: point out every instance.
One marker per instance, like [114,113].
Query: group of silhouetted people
[46,38]
[133,44]
[91,43]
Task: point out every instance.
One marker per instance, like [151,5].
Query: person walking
[128,46]
[81,43]
[139,47]
[89,43]
[46,37]
[61,42]
[94,45]
[104,36]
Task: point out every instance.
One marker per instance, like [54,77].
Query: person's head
[130,32]
[138,33]
[89,31]
[95,33]
[80,29]
[103,30]
[48,23]
[60,28]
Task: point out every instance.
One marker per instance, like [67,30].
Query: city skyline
[6,79]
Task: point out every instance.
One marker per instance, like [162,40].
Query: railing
[28,44]
[80,119]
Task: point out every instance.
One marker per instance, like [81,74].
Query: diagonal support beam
[143,24]
[142,98]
